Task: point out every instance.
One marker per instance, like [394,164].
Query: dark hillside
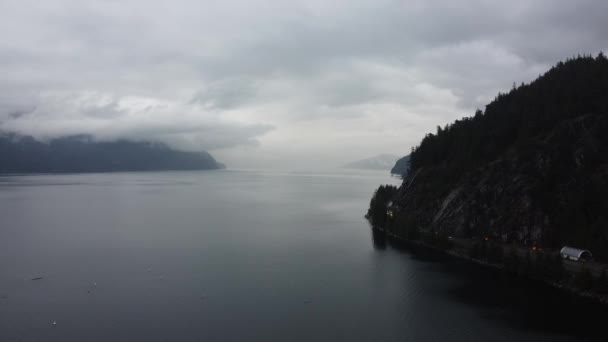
[532,168]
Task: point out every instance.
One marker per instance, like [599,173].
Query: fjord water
[243,256]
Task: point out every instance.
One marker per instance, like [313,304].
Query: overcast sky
[289,84]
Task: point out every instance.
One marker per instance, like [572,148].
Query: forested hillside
[532,168]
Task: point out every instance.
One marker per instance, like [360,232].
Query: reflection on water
[514,302]
[378,239]
[243,256]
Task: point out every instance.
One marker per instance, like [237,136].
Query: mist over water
[244,256]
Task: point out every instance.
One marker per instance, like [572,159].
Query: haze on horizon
[293,84]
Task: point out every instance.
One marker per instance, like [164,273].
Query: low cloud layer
[275,83]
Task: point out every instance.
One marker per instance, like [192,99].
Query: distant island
[401,166]
[513,184]
[379,162]
[24,154]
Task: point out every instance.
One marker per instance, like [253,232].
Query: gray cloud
[253,79]
[225,94]
[108,118]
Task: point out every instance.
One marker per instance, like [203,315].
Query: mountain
[379,162]
[401,166]
[532,169]
[24,154]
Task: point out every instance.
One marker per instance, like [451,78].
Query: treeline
[570,89]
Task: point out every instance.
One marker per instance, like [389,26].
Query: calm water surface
[243,256]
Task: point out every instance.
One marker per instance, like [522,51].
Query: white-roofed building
[576,254]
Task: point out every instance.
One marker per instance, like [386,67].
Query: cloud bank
[275,83]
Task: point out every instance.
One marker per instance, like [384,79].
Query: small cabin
[571,253]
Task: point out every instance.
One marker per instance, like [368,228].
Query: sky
[276,84]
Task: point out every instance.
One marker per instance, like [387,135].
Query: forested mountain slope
[532,168]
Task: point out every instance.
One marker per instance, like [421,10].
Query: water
[243,256]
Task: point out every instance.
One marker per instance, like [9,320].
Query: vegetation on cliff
[531,169]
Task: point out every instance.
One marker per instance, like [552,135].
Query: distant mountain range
[24,154]
[379,162]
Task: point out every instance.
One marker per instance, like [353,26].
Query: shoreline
[601,299]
